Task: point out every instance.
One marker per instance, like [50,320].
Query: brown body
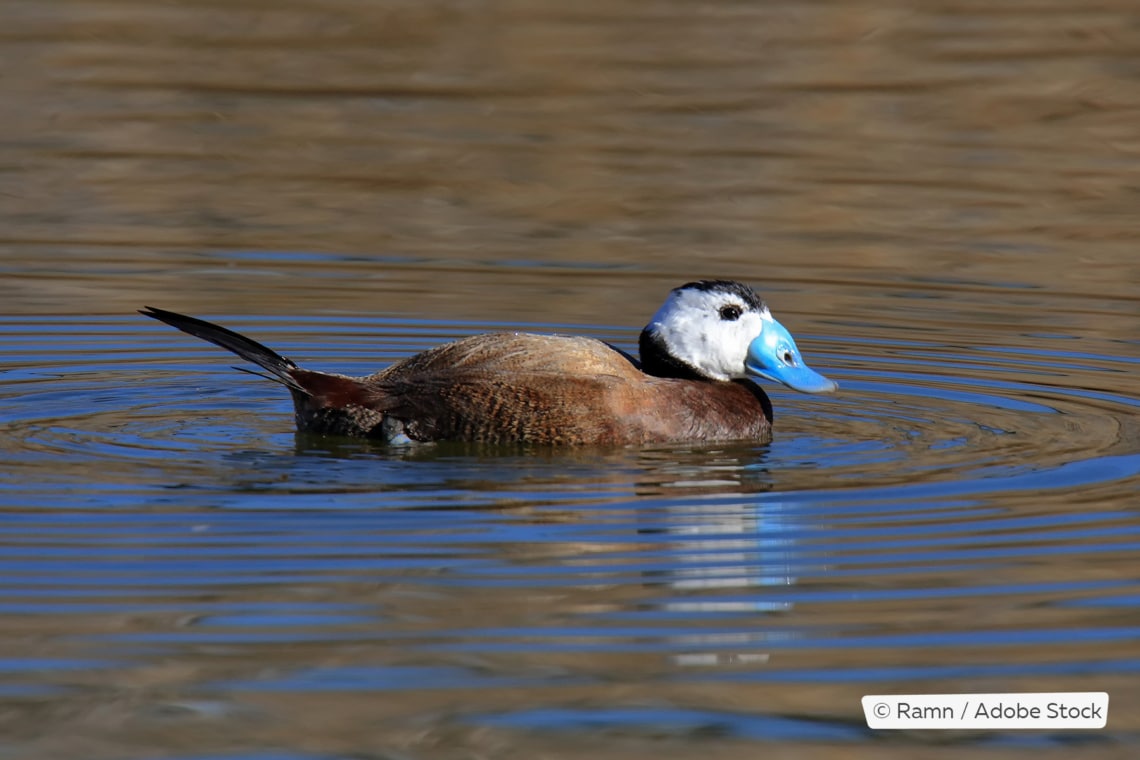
[509,387]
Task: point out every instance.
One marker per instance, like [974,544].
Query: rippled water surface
[938,199]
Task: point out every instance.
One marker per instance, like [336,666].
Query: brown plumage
[690,384]
[503,387]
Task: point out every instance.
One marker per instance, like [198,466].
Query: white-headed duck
[699,354]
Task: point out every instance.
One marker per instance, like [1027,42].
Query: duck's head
[721,330]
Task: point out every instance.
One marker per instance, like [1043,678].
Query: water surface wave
[936,521]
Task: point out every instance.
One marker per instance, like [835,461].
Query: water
[938,202]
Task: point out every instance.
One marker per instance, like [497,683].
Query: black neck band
[657,361]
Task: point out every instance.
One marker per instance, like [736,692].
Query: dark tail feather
[281,369]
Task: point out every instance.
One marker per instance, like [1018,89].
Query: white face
[695,331]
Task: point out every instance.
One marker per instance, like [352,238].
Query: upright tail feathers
[281,369]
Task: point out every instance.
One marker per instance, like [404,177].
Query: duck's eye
[730,313]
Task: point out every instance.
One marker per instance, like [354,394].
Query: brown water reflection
[445,150]
[937,197]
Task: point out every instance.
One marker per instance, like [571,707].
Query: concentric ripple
[992,419]
[119,396]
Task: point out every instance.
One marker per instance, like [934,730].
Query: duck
[693,381]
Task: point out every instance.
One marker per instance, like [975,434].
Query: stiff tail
[282,370]
[325,403]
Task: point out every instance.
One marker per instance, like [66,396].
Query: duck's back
[508,353]
[541,389]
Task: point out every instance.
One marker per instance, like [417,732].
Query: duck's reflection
[742,546]
[732,555]
[729,567]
